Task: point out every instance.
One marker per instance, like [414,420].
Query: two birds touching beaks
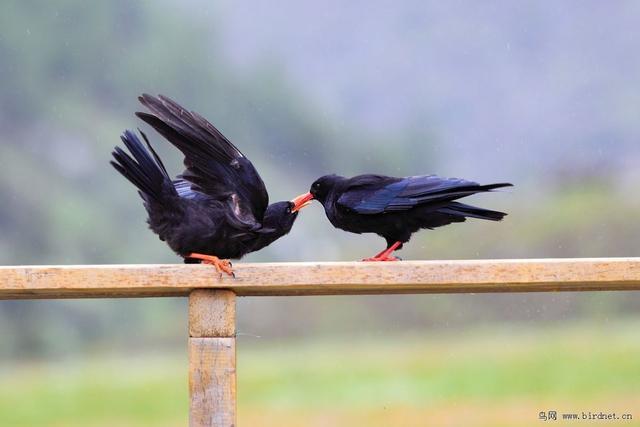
[218,208]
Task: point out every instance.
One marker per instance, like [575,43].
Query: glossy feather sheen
[395,208]
[219,205]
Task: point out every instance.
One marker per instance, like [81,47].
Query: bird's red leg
[221,265]
[379,253]
[386,254]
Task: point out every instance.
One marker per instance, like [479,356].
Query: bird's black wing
[374,194]
[214,166]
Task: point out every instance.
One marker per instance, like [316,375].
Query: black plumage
[395,208]
[219,206]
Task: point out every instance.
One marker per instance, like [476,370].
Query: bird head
[322,186]
[277,221]
[280,216]
[320,189]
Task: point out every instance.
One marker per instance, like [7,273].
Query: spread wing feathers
[183,187]
[214,166]
[377,194]
[143,168]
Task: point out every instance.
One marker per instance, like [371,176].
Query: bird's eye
[288,209]
[316,185]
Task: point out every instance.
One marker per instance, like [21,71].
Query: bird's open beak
[301,201]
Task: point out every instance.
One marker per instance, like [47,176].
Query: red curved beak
[302,201]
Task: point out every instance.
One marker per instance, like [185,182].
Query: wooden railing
[212,343]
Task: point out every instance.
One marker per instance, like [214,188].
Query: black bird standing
[395,208]
[219,207]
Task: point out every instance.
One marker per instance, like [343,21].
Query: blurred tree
[70,73]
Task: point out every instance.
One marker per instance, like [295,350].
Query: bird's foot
[221,265]
[386,254]
[383,258]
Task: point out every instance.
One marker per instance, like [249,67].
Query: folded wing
[374,194]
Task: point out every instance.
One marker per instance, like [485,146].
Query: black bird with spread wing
[219,207]
[395,208]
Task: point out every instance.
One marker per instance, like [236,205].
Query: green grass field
[493,376]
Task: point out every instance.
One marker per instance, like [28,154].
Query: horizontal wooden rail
[212,323]
[334,278]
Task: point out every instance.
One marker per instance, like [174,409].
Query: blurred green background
[541,94]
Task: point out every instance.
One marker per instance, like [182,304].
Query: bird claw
[221,265]
[382,258]
[386,254]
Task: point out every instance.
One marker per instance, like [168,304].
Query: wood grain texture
[212,382]
[334,278]
[212,313]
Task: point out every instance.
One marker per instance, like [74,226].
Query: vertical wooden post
[212,358]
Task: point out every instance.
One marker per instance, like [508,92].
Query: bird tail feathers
[468,211]
[490,187]
[143,168]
